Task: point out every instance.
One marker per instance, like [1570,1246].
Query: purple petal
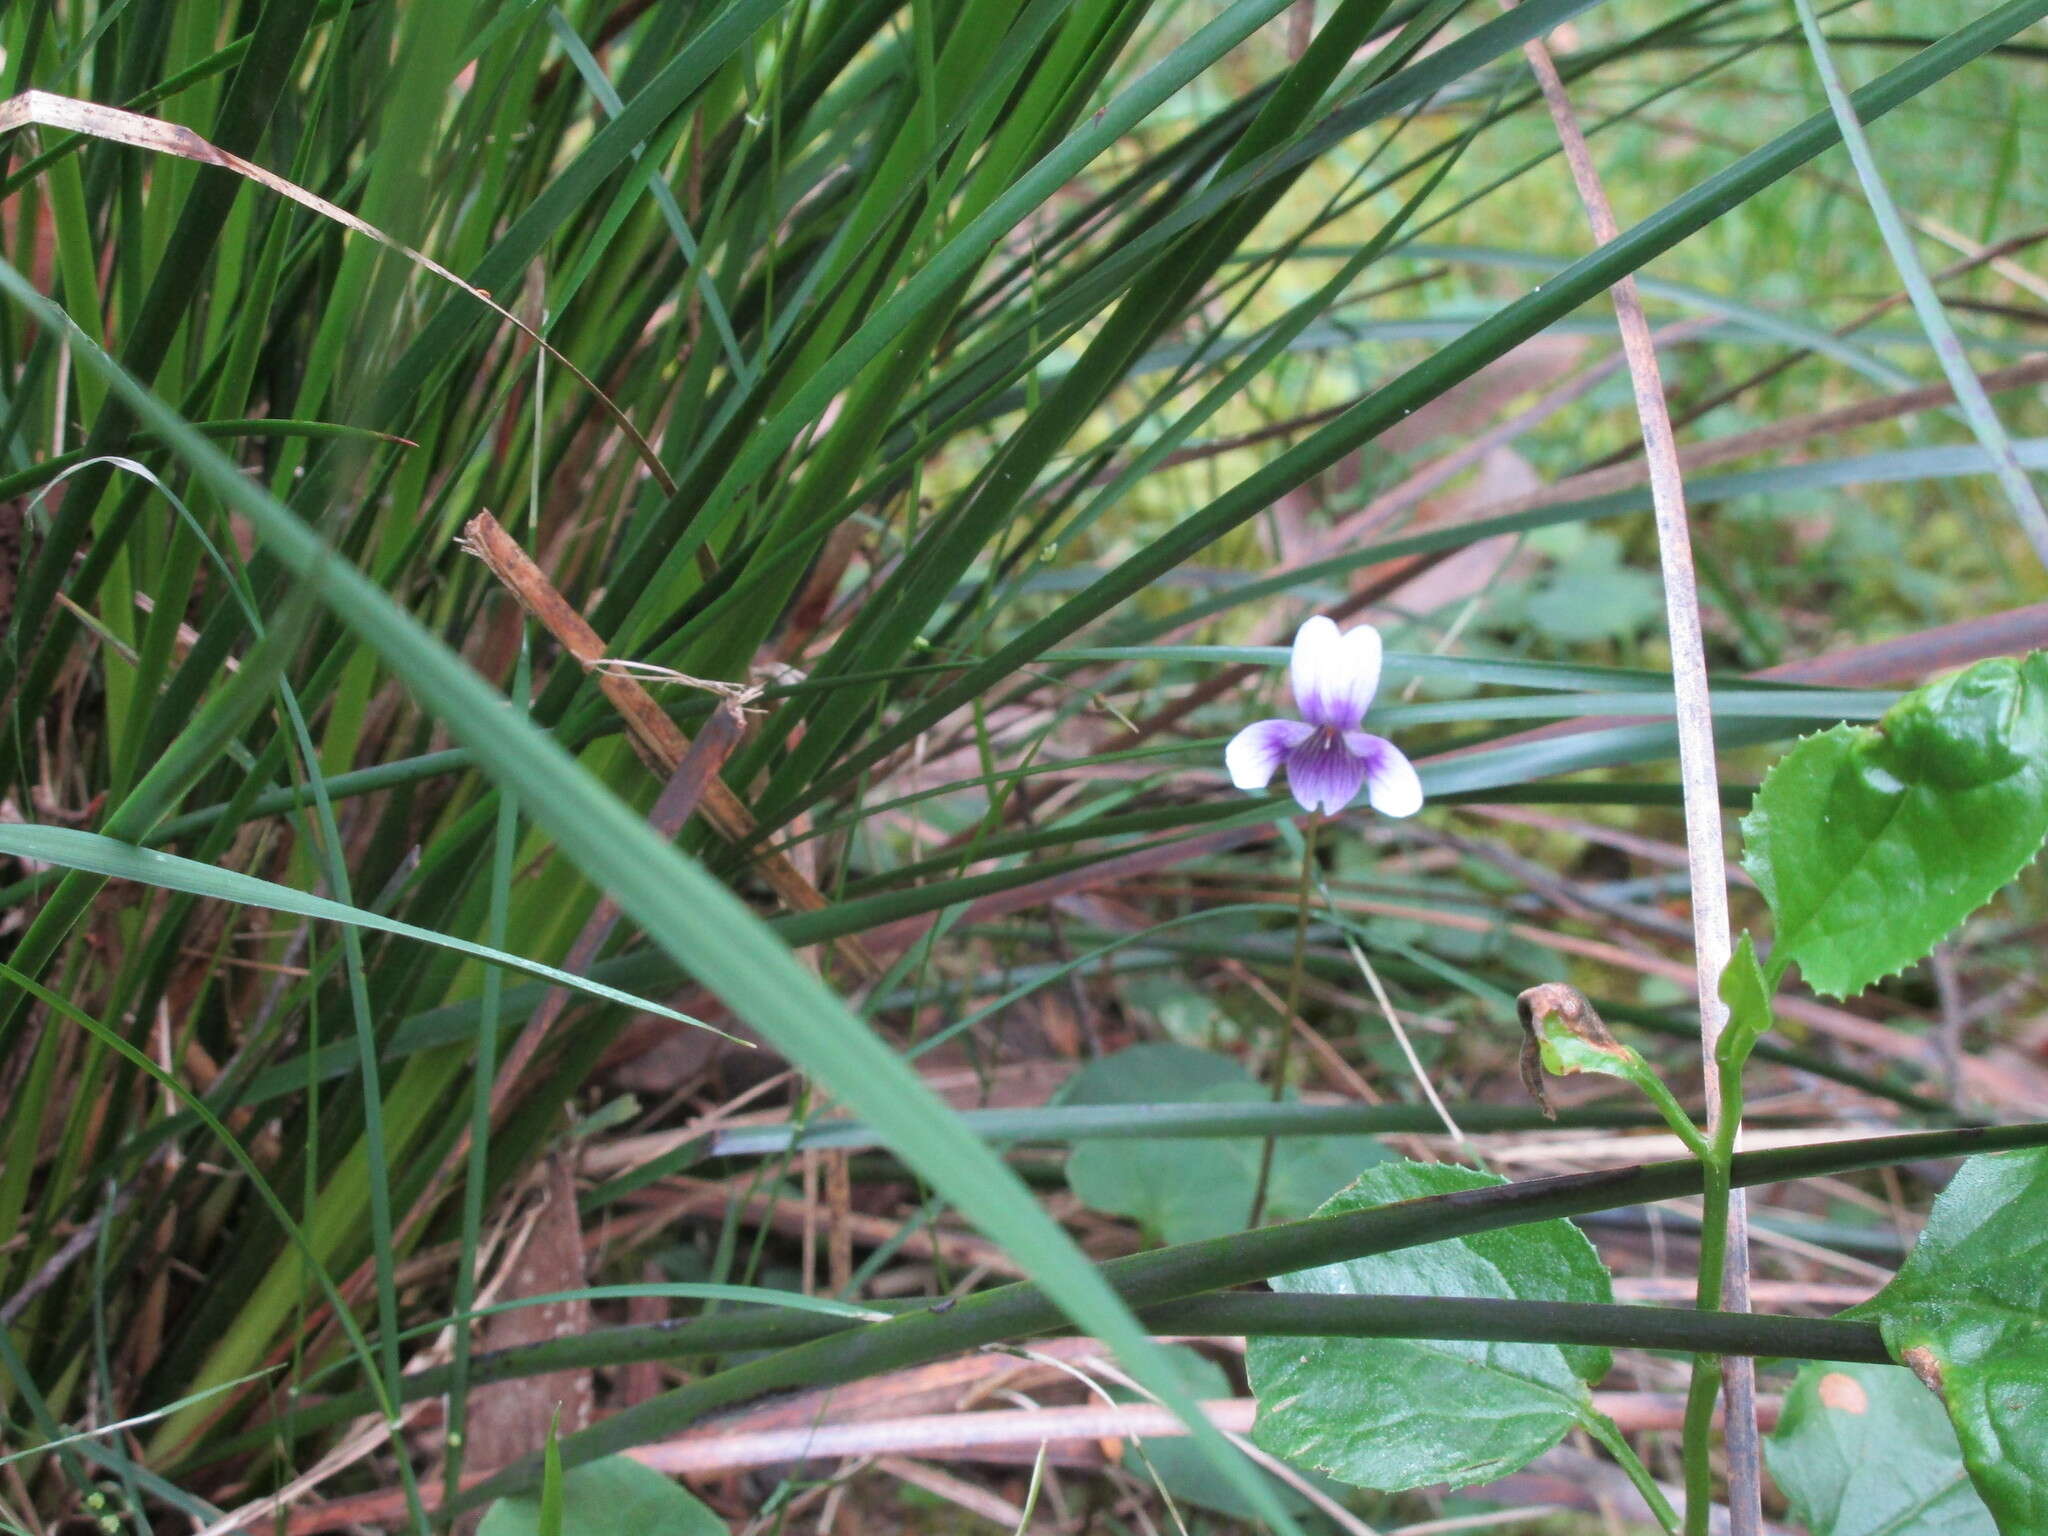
[1335,675]
[1257,750]
[1391,782]
[1324,773]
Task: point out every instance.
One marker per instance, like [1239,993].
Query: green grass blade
[113,859]
[1515,323]
[697,921]
[1948,347]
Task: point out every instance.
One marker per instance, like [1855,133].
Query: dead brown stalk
[1712,941]
[657,739]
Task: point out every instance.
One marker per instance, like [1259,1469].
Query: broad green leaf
[1965,1312]
[1404,1413]
[1872,843]
[1863,1450]
[74,849]
[614,1496]
[1592,595]
[1183,1188]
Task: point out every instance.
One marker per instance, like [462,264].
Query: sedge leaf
[551,1500]
[117,860]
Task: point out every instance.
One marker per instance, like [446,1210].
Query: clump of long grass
[924,379]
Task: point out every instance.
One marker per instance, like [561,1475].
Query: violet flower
[1327,755]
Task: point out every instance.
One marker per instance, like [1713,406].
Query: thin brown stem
[1697,773]
[655,738]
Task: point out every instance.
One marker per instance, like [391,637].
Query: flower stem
[1706,1369]
[1285,1054]
[1608,1433]
[1717,1194]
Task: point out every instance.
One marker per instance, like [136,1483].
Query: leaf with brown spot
[1863,1450]
[1964,1314]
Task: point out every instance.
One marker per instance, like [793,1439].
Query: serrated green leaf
[1966,1311]
[1404,1413]
[1864,1450]
[1178,1188]
[614,1496]
[1872,843]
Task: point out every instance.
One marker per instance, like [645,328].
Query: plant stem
[1609,1434]
[1706,1369]
[1224,1314]
[1716,1162]
[1697,771]
[1285,1054]
[1673,1112]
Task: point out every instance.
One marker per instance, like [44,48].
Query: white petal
[1335,675]
[1256,751]
[1391,783]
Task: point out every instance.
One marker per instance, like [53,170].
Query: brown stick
[657,739]
[1698,777]
[839,1233]
[1001,1435]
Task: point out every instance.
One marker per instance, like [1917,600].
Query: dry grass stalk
[1076,1435]
[1712,941]
[658,740]
[115,125]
